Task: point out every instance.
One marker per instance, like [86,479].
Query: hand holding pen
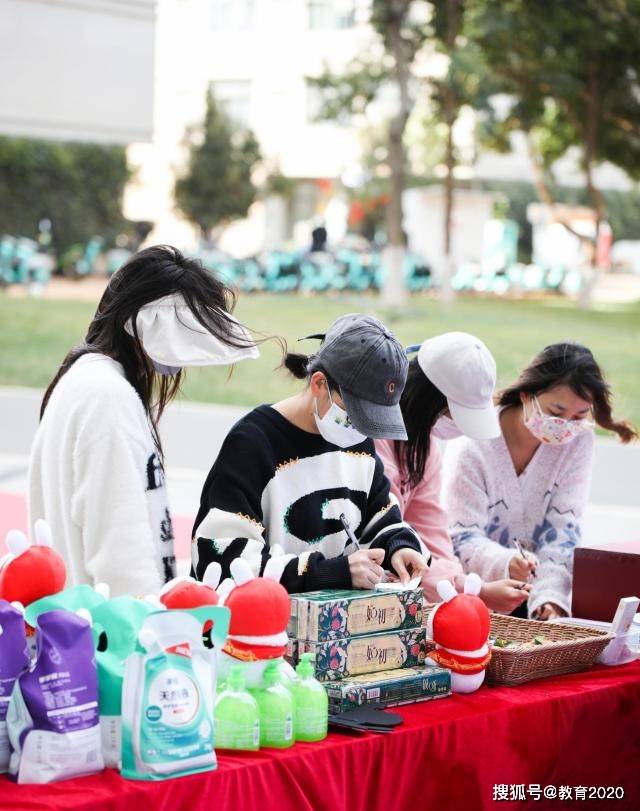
[523,565]
[365,565]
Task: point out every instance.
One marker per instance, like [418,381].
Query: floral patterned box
[352,656]
[389,688]
[320,616]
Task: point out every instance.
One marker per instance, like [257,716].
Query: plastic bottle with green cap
[311,703]
[276,710]
[237,718]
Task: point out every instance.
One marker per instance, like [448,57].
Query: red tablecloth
[577,730]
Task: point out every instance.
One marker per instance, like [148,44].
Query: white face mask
[162,369]
[336,426]
[445,428]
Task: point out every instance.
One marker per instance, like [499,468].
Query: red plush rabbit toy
[31,571]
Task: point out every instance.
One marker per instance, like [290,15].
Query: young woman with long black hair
[96,472]
[448,394]
[301,477]
[527,489]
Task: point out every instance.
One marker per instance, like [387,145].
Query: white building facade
[77,70]
[255,55]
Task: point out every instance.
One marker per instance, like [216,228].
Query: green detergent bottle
[276,710]
[311,703]
[237,718]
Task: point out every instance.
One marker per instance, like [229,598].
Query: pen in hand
[522,554]
[347,528]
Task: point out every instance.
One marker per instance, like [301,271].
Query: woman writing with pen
[515,503]
[302,476]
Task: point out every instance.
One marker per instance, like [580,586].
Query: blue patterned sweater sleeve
[478,527]
[556,537]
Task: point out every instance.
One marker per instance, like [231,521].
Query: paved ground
[192,435]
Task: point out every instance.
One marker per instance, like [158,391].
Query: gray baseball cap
[369,365]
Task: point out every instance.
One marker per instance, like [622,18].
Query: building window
[331,14]
[234,96]
[232,15]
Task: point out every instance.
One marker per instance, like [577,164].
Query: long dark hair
[572,365]
[421,405]
[147,276]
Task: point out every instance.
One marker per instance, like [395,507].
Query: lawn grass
[35,334]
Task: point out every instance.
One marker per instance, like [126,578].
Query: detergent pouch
[116,624]
[168,695]
[72,599]
[14,658]
[53,719]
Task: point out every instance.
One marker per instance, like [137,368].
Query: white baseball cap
[461,366]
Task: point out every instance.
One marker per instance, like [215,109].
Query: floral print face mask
[552,430]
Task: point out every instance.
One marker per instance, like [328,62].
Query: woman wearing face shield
[96,472]
[449,394]
[515,503]
[301,477]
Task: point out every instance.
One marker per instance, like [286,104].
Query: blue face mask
[161,369]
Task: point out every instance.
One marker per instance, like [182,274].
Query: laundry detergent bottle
[237,718]
[276,710]
[311,703]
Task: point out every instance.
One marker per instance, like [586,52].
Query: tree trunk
[447,293]
[394,291]
[589,270]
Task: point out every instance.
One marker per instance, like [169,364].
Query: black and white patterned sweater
[274,483]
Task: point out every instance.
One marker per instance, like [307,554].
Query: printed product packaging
[320,616]
[116,626]
[14,658]
[389,688]
[352,656]
[53,720]
[168,695]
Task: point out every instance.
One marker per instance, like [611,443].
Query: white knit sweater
[95,477]
[489,506]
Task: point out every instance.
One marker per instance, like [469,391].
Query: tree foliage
[217,186]
[571,71]
[79,187]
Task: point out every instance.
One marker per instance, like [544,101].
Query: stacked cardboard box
[368,646]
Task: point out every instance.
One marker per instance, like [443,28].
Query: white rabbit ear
[18,606]
[85,614]
[212,575]
[17,542]
[102,590]
[472,584]
[42,532]
[241,571]
[446,590]
[274,569]
[225,588]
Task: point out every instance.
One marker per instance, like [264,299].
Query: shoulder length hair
[572,365]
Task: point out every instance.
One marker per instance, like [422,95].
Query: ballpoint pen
[524,557]
[347,528]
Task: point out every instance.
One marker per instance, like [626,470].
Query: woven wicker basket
[566,649]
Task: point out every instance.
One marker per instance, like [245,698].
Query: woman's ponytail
[297,365]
